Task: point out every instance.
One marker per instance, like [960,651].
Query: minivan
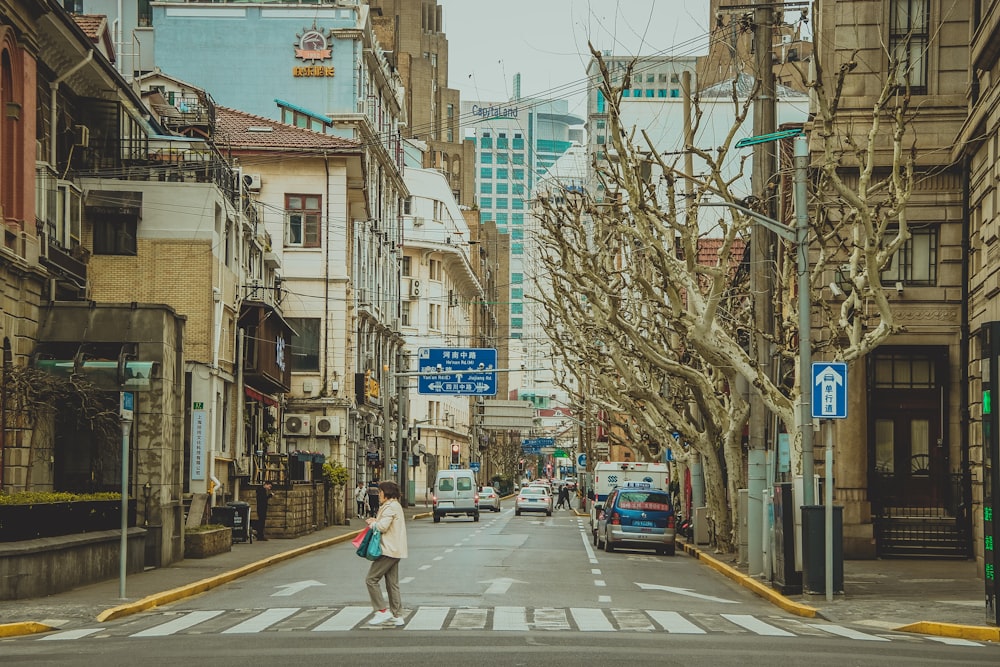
[456,494]
[636,515]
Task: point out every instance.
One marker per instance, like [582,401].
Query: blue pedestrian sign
[457,371]
[829,390]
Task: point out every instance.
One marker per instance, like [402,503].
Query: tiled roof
[708,252]
[91,24]
[245,130]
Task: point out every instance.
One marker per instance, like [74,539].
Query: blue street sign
[475,368]
[474,466]
[829,390]
[581,460]
[538,443]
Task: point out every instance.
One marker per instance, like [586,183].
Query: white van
[456,494]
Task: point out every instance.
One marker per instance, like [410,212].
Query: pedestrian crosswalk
[497,619]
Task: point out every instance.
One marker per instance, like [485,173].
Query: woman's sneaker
[380,617]
[398,620]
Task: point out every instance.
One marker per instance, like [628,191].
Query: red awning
[262,398]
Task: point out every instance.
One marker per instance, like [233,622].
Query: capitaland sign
[494,111]
[312,46]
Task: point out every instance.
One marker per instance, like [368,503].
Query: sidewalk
[934,597]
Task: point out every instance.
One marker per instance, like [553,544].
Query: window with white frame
[434,269]
[434,316]
[406,314]
[302,215]
[407,266]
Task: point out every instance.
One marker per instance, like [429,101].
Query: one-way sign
[461,371]
[829,390]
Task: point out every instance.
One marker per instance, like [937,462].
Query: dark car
[637,516]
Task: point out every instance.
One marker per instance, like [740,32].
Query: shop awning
[259,397]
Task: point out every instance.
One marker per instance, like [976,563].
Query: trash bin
[241,521]
[222,516]
[814,548]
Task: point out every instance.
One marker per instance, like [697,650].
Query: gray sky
[546,41]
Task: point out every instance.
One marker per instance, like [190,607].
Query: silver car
[489,499]
[533,499]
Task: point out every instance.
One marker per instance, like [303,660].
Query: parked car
[637,516]
[489,499]
[534,498]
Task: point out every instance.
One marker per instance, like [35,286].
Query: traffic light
[456,449]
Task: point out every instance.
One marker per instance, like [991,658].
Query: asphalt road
[506,591]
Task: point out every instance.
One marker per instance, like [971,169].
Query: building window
[115,235]
[406,313]
[518,158]
[502,188]
[451,110]
[501,142]
[675,92]
[517,218]
[518,188]
[486,142]
[485,172]
[517,322]
[407,265]
[502,219]
[517,204]
[434,269]
[305,343]
[486,202]
[518,174]
[625,92]
[303,215]
[517,308]
[600,102]
[502,202]
[408,206]
[486,158]
[908,41]
[650,78]
[517,234]
[661,92]
[517,293]
[516,248]
[434,316]
[904,371]
[516,278]
[501,174]
[486,188]
[915,264]
[517,144]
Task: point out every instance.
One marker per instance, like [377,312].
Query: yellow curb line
[25,628]
[752,584]
[974,632]
[203,585]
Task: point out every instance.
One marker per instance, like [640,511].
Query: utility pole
[761,277]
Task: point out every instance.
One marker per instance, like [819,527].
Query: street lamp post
[800,237]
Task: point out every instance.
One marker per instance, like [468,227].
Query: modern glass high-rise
[517,141]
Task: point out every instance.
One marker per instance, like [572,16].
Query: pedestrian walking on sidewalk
[391,523]
[264,494]
[373,498]
[360,498]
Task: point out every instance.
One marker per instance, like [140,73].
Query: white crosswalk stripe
[498,619]
[178,624]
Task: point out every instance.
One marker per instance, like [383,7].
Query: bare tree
[663,337]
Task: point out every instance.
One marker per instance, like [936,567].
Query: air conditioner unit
[418,221]
[252,181]
[414,287]
[81,136]
[297,425]
[328,427]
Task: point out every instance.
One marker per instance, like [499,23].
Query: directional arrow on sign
[436,386]
[683,591]
[297,587]
[828,380]
[500,586]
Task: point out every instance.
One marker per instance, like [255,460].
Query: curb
[973,632]
[23,628]
[752,584]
